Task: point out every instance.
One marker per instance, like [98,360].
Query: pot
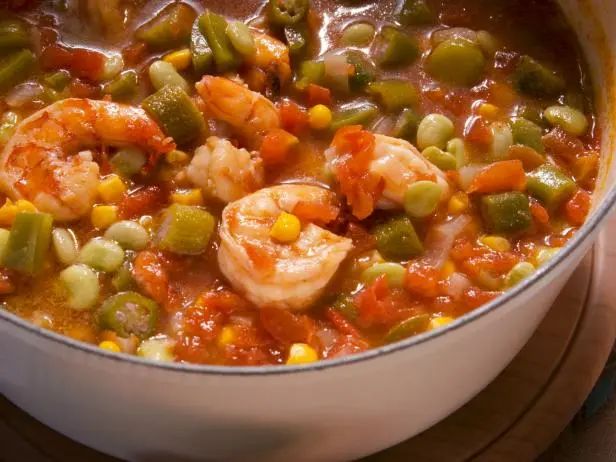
[332,410]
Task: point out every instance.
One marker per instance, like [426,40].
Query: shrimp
[378,171]
[248,112]
[48,159]
[223,171]
[268,273]
[272,57]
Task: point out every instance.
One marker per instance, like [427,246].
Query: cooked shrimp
[268,273]
[248,112]
[223,171]
[47,161]
[272,57]
[380,172]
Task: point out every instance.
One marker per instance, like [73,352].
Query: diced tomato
[151,275]
[506,175]
[539,213]
[475,297]
[224,301]
[363,241]
[316,94]
[80,89]
[341,323]
[422,280]
[478,132]
[82,62]
[287,327]
[6,284]
[355,149]
[473,259]
[347,345]
[379,305]
[316,212]
[585,169]
[293,117]
[561,144]
[277,146]
[530,158]
[577,208]
[143,201]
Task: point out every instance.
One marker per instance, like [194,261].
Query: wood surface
[514,419]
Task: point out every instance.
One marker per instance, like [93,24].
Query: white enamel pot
[331,411]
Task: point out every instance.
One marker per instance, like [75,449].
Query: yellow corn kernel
[286,228]
[227,336]
[111,189]
[441,321]
[319,117]
[103,216]
[458,203]
[488,110]
[496,243]
[7,213]
[180,59]
[25,206]
[177,157]
[301,353]
[110,346]
[448,268]
[188,197]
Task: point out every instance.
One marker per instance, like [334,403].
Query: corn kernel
[496,243]
[488,110]
[448,268]
[301,353]
[25,206]
[111,189]
[286,229]
[180,59]
[441,321]
[458,203]
[227,336]
[7,213]
[110,346]
[545,254]
[177,157]
[103,216]
[319,117]
[189,197]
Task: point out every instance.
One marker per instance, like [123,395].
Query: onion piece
[337,72]
[456,285]
[467,174]
[440,239]
[23,94]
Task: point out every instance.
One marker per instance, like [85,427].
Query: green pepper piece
[412,326]
[28,242]
[406,125]
[345,305]
[129,313]
[361,114]
[397,48]
[241,38]
[297,39]
[394,94]
[396,239]
[214,27]
[506,213]
[128,161]
[57,80]
[310,72]
[123,278]
[13,34]
[456,61]
[365,70]
[534,79]
[527,133]
[123,87]
[550,185]
[202,55]
[532,113]
[415,13]
[176,113]
[16,68]
[287,12]
[185,229]
[169,29]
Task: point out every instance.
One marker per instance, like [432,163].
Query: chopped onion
[456,285]
[23,94]
[337,71]
[440,239]
[467,174]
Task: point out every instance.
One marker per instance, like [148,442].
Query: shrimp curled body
[268,273]
[48,160]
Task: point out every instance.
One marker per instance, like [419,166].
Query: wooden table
[514,419]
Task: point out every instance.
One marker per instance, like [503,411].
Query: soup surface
[279,182]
